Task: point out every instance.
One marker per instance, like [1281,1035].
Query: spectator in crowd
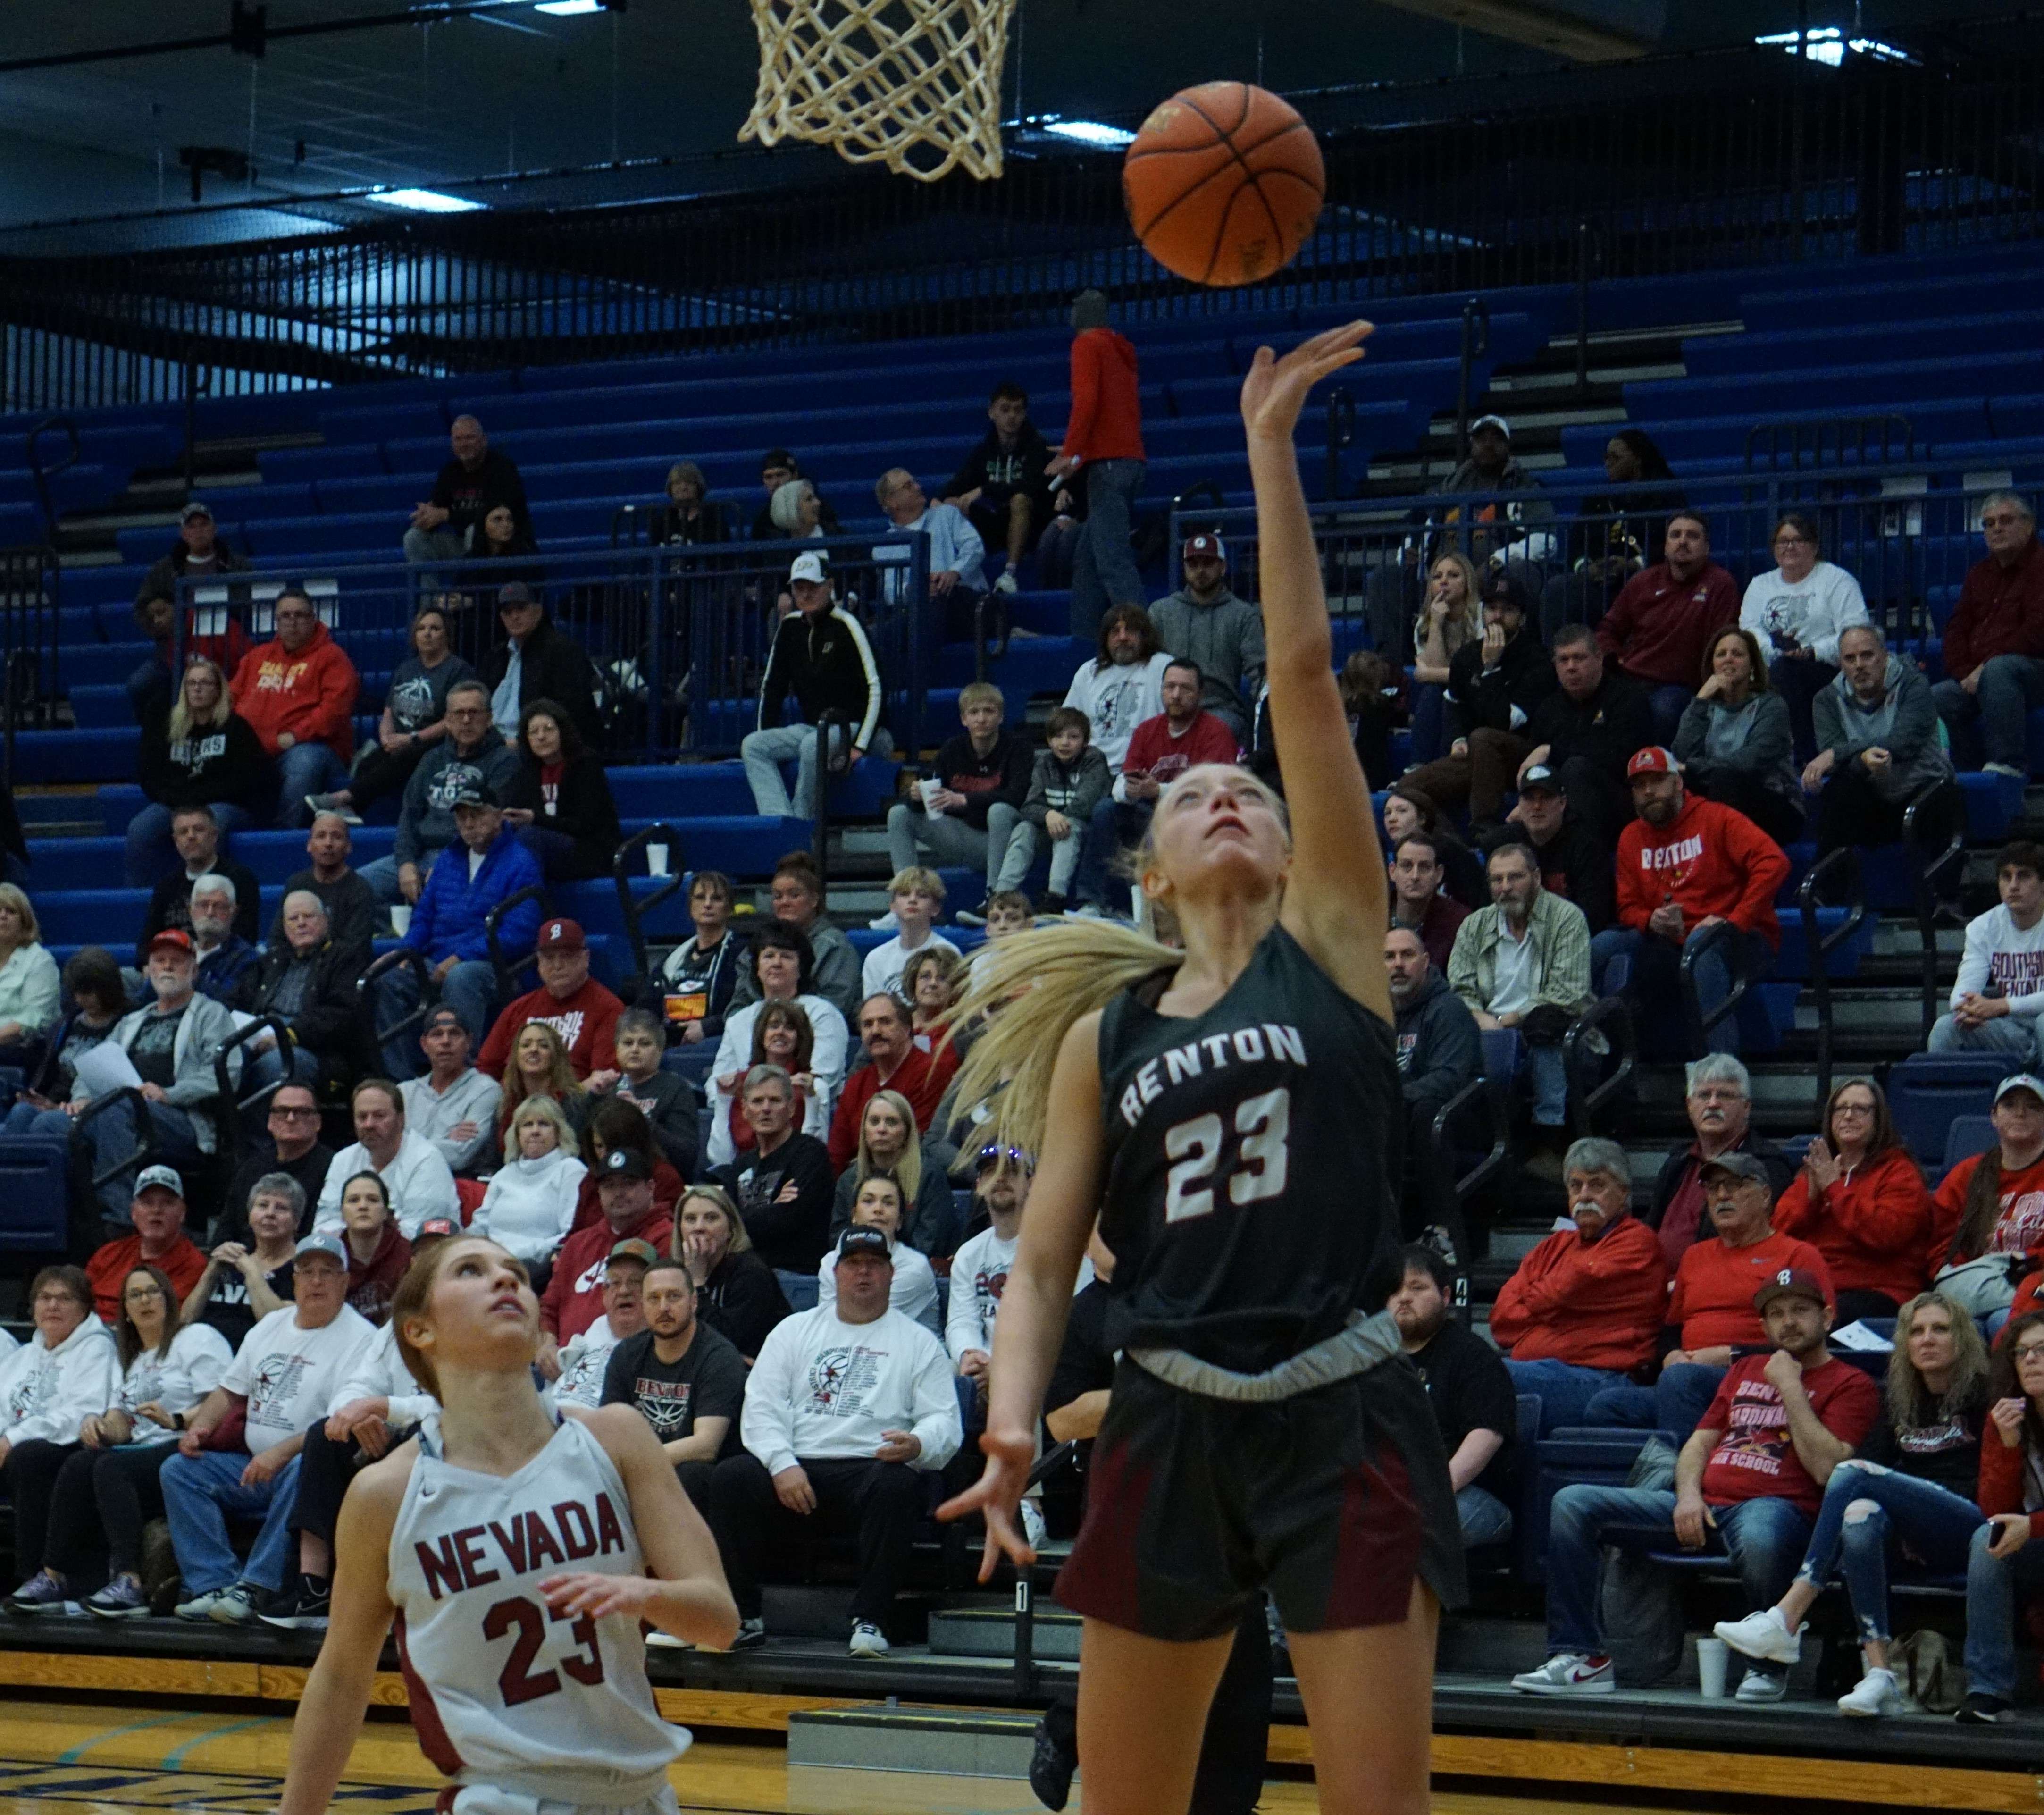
[957,555]
[67,1372]
[473,482]
[92,980]
[570,1000]
[471,755]
[28,980]
[700,976]
[1440,1053]
[1583,1310]
[1372,697]
[1004,487]
[1524,963]
[224,957]
[573,1297]
[1878,745]
[1009,912]
[500,536]
[1860,1199]
[1496,682]
[1123,686]
[1734,742]
[529,1206]
[783,1187]
[931,983]
[915,899]
[852,1459]
[1987,1215]
[796,513]
[1058,546]
[967,811]
[914,1291]
[1754,1472]
[172,1043]
[245,1281]
[1471,1394]
[1573,863]
[1913,1489]
[1409,810]
[979,1273]
[585,1356]
[736,1293]
[896,1063]
[308,982]
[795,898]
[686,1377]
[2004,1563]
[297,693]
[104,1482]
[781,971]
[1103,445]
[450,925]
[820,655]
[1616,533]
[670,1102]
[352,909]
[539,1067]
[197,752]
[1204,622]
[1994,645]
[1660,626]
[1685,866]
[455,1106]
[782,1036]
[197,554]
[196,833]
[1796,613]
[283,1377]
[1069,778]
[1450,618]
[1999,989]
[889,1147]
[292,1146]
[538,660]
[777,470]
[1587,729]
[688,516]
[1711,1320]
[559,799]
[1717,1096]
[415,1178]
[610,1123]
[414,718]
[154,1235]
[377,1252]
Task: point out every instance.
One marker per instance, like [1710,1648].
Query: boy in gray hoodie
[1068,780]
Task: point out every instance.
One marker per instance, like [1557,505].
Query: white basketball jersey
[503,1692]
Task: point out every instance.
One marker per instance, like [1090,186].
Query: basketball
[1222,183]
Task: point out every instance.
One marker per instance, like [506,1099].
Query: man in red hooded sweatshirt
[1103,442]
[297,693]
[1685,865]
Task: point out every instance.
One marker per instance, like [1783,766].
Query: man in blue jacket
[449,923]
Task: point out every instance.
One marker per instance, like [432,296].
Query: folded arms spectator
[1204,623]
[1659,625]
[1587,729]
[455,1106]
[559,799]
[538,660]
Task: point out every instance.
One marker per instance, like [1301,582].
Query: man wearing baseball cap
[157,1238]
[571,1002]
[1574,864]
[1204,621]
[1663,619]
[2010,1219]
[1687,867]
[197,554]
[538,660]
[1750,1479]
[573,1297]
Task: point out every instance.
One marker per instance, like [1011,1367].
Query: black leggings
[30,1473]
[108,1493]
[325,1468]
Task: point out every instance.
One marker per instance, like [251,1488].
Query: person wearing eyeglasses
[1994,645]
[293,1146]
[1797,612]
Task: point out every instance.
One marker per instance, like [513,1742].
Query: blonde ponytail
[1024,996]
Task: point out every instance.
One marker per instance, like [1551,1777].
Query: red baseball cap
[562,935]
[1655,760]
[1203,546]
[175,937]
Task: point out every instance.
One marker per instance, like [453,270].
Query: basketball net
[912,84]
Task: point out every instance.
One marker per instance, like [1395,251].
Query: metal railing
[1933,874]
[1843,864]
[635,910]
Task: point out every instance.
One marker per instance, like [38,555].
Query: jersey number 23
[1256,1169]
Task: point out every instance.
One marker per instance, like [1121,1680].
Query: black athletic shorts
[1333,1500]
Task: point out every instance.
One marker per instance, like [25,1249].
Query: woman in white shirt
[782,1036]
[914,1292]
[28,990]
[530,1205]
[1797,612]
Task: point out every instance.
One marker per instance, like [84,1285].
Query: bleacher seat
[1927,1091]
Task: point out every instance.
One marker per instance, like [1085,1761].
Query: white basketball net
[912,84]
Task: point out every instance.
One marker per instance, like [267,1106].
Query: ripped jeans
[1867,1512]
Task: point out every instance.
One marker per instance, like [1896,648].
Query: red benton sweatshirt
[1708,859]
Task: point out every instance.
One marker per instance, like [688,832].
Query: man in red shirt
[1104,444]
[1994,645]
[1686,866]
[1751,1476]
[159,1240]
[573,1297]
[572,1002]
[1659,626]
[898,1064]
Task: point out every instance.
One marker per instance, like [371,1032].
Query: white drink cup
[656,859]
[931,789]
[400,918]
[1713,1658]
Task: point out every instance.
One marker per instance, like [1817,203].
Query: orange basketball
[1224,184]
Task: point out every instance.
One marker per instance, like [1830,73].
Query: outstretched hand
[995,1496]
[1274,391]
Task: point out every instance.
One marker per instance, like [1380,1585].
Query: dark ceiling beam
[1544,28]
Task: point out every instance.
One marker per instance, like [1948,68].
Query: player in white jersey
[518,1548]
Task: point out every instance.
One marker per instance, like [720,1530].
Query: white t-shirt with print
[289,1374]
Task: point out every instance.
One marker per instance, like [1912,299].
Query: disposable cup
[1713,1657]
[656,859]
[400,918]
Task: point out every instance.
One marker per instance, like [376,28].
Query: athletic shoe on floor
[121,1598]
[1569,1673]
[751,1633]
[1006,584]
[1980,1710]
[41,1593]
[332,803]
[305,1608]
[1761,1686]
[1051,1768]
[657,1640]
[1761,1635]
[1877,1694]
[868,1640]
[884,923]
[199,1607]
[240,1605]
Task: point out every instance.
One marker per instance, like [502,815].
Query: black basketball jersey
[1251,1156]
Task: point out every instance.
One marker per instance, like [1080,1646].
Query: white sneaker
[657,1640]
[1006,582]
[1568,1673]
[1762,1635]
[868,1641]
[884,923]
[2005,769]
[1877,1694]
[1032,1524]
[1759,1686]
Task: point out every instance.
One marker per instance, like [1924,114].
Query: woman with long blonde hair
[198,752]
[1255,1438]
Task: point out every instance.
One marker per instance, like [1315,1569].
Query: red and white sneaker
[1569,1673]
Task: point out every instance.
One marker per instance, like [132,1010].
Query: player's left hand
[996,1495]
[1275,390]
[583,1592]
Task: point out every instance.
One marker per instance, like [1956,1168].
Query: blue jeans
[1564,1390]
[1549,1079]
[1992,1587]
[381,876]
[1430,722]
[1116,826]
[764,751]
[469,989]
[1657,977]
[25,1118]
[305,769]
[1991,720]
[150,856]
[1868,1510]
[1666,704]
[2014,1034]
[1103,570]
[200,1493]
[1764,1539]
[1485,1519]
[1676,1402]
[112,1135]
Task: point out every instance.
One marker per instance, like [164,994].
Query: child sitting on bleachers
[1069,779]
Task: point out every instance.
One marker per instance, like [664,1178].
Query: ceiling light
[1088,132]
[423,201]
[568,9]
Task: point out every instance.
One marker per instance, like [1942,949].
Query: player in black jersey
[1232,1112]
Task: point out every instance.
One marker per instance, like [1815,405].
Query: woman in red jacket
[1861,1202]
[2006,1560]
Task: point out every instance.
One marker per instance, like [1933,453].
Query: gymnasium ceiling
[518,89]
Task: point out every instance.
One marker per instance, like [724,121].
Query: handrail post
[1025,1632]
[819,830]
[1582,306]
[1926,875]
[1476,343]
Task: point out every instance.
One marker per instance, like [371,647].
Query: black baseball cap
[624,1163]
[862,1238]
[475,793]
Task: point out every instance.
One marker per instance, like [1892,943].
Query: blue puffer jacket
[448,920]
